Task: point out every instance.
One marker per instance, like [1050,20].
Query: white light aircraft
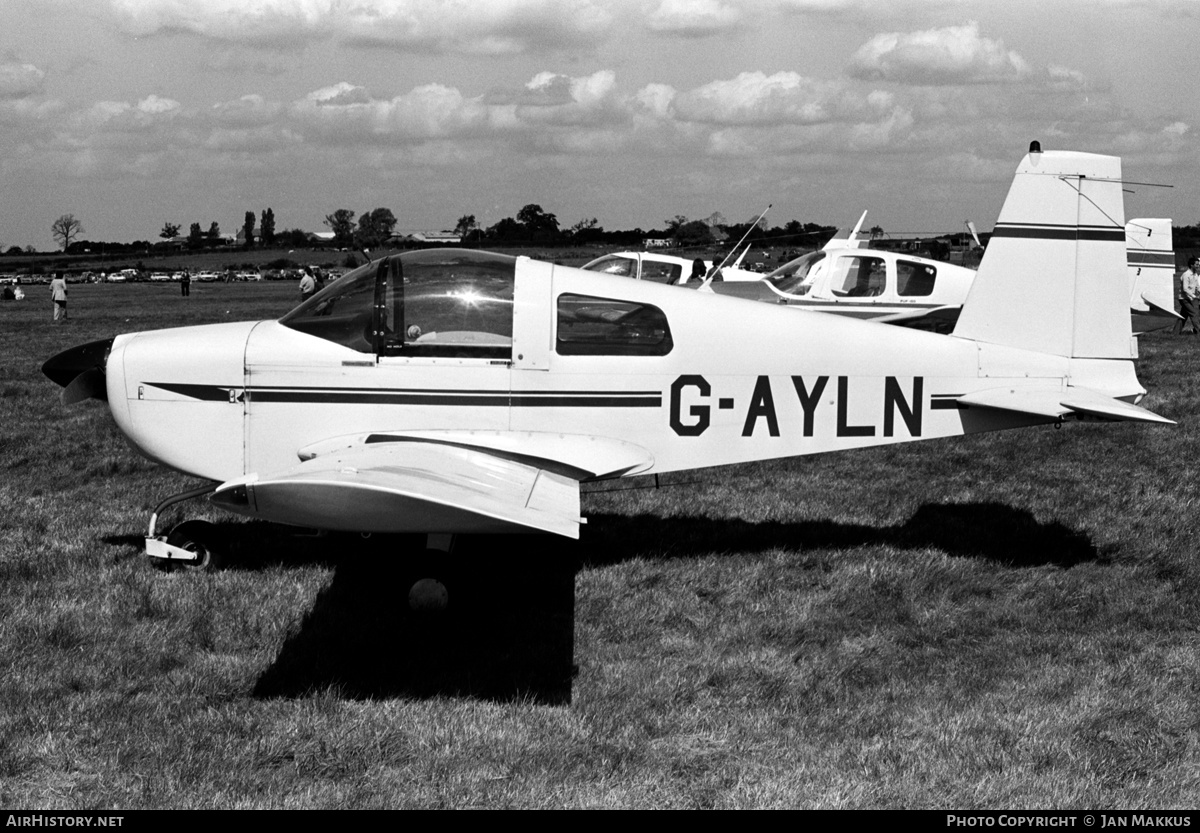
[662,268]
[466,392]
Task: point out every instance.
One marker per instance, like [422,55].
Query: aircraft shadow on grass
[993,531]
[508,633]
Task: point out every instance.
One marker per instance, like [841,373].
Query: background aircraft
[663,268]
[847,277]
[468,392]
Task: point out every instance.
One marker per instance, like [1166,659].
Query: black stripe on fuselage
[205,393]
[945,402]
[427,396]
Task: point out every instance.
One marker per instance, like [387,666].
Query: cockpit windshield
[796,276]
[434,302]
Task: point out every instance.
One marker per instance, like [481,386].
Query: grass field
[1003,621]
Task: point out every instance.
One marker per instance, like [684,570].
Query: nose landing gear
[194,544]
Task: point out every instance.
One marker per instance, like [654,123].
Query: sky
[130,114]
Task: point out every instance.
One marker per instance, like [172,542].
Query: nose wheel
[194,544]
[200,538]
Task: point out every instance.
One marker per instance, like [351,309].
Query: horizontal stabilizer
[410,487]
[1156,305]
[1059,403]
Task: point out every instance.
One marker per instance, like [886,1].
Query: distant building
[656,243]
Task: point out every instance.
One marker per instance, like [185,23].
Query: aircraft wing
[938,319]
[1080,402]
[436,481]
[411,486]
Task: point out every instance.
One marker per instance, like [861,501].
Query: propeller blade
[80,371]
[90,384]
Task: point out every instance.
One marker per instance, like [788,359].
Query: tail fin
[1054,277]
[848,238]
[1151,258]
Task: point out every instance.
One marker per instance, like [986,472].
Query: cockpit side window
[450,302]
[589,326]
[859,277]
[659,272]
[914,279]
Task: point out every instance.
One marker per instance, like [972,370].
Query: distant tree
[267,227]
[15,250]
[693,233]
[65,229]
[341,223]
[876,232]
[248,228]
[169,230]
[506,231]
[214,231]
[195,236]
[465,225]
[294,238]
[587,231]
[674,224]
[374,228]
[537,222]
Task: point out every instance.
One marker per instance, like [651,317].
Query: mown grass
[1007,620]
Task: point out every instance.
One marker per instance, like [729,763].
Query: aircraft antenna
[712,273]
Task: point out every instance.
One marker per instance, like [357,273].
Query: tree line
[532,225]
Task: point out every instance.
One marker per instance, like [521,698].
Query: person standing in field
[1189,297]
[58,293]
[308,284]
[185,284]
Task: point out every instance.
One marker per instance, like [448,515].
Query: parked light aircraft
[663,268]
[467,392]
[847,277]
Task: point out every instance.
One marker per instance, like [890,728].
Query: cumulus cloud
[347,112]
[782,98]
[494,27]
[951,55]
[693,18]
[19,80]
[247,111]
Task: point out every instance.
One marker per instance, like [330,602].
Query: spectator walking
[58,293]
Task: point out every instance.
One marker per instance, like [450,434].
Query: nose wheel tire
[201,538]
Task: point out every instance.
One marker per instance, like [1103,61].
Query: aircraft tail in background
[1151,257]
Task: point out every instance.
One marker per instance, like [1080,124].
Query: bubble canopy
[433,302]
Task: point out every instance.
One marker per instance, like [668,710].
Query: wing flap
[410,487]
[1058,403]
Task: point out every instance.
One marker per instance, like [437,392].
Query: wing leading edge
[411,486]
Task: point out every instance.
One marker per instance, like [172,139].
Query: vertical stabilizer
[1054,276]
